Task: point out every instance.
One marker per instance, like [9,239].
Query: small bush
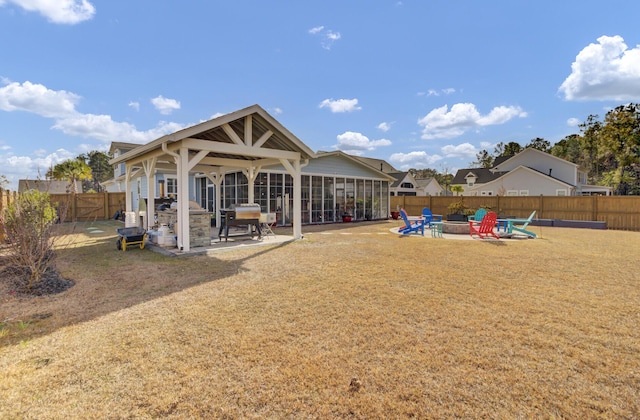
[28,222]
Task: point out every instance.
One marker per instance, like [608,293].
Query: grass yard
[353,321]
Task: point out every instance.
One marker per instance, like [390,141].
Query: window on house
[512,193]
[561,193]
[406,185]
[524,192]
[171,184]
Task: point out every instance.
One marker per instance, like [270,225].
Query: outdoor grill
[240,215]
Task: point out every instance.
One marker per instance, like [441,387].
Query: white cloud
[103,128]
[135,105]
[573,122]
[464,150]
[608,70]
[57,11]
[25,167]
[165,105]
[357,143]
[444,123]
[60,106]
[37,99]
[417,159]
[327,36]
[434,92]
[277,111]
[384,126]
[340,105]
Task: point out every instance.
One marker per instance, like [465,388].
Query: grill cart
[131,236]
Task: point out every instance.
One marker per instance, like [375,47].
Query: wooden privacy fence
[618,212]
[80,207]
[89,206]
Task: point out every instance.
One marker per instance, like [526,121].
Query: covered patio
[246,140]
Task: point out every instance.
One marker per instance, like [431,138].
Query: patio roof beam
[237,149]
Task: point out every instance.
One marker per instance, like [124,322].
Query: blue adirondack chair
[430,217]
[520,225]
[411,226]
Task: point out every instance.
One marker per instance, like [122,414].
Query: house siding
[521,179]
[333,165]
[542,162]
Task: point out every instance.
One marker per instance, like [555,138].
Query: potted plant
[346,217]
[458,211]
[395,215]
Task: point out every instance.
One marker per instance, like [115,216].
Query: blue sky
[417,83]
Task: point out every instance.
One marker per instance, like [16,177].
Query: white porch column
[149,169]
[183,200]
[297,200]
[295,170]
[127,188]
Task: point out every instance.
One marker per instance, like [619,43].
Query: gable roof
[379,164]
[358,160]
[399,177]
[530,150]
[122,146]
[45,185]
[483,175]
[423,182]
[227,130]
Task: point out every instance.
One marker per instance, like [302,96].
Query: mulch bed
[15,281]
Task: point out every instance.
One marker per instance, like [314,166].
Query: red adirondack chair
[484,228]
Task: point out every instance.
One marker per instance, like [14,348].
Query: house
[404,184]
[50,186]
[428,186]
[246,156]
[530,172]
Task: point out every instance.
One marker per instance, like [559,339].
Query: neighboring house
[404,185]
[428,186]
[530,172]
[50,186]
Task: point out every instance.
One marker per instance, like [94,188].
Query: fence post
[105,205]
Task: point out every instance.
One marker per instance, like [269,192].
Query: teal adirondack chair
[520,225]
[478,215]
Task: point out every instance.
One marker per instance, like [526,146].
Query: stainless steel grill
[240,215]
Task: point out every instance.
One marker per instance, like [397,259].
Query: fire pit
[458,228]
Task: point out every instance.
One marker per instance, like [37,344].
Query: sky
[419,83]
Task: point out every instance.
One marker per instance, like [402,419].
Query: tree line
[608,149]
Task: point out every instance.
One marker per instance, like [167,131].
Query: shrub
[28,222]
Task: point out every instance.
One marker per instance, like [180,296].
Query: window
[561,193]
[512,193]
[171,183]
[524,192]
[406,185]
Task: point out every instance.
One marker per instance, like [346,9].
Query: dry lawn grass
[349,322]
